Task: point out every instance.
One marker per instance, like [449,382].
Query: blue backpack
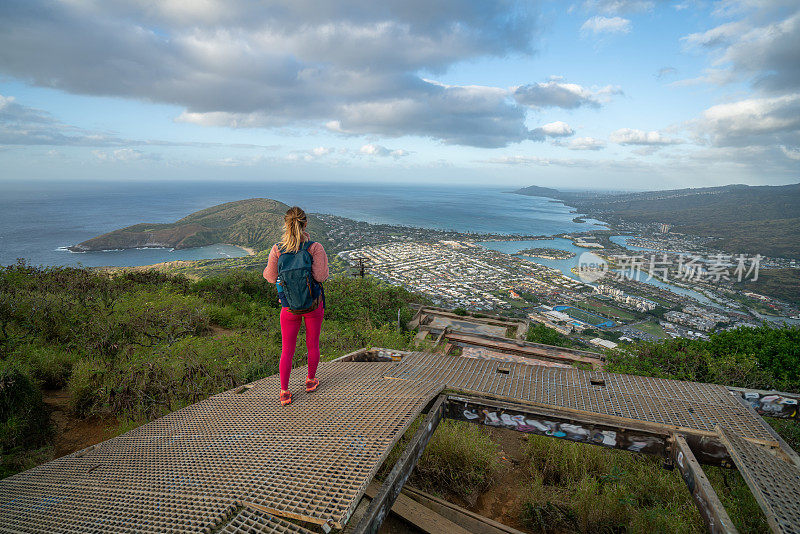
[298,290]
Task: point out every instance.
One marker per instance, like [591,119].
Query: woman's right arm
[271,270]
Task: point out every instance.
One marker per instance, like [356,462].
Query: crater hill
[255,223]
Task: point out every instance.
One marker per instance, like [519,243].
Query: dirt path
[220,331]
[72,434]
[502,501]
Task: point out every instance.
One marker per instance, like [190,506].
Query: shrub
[238,285]
[761,358]
[147,382]
[365,301]
[789,430]
[50,365]
[539,333]
[85,385]
[24,420]
[777,351]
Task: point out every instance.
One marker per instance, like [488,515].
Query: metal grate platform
[689,405]
[184,472]
[255,522]
[210,465]
[774,482]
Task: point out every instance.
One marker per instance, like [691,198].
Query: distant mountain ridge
[746,219]
[536,191]
[255,223]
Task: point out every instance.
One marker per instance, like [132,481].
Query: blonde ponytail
[294,223]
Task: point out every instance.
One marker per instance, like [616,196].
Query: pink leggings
[290,326]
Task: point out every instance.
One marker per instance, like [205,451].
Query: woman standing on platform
[298,266]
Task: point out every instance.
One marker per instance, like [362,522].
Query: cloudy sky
[611,94]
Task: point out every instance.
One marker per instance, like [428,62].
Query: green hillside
[256,223]
[746,219]
[783,284]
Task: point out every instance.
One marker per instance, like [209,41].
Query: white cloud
[768,54]
[619,6]
[666,72]
[350,65]
[552,129]
[556,129]
[556,93]
[310,154]
[791,153]
[520,160]
[753,121]
[630,136]
[761,47]
[24,125]
[123,155]
[590,165]
[321,151]
[598,24]
[586,143]
[382,151]
[721,35]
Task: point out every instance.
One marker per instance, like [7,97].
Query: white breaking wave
[66,249]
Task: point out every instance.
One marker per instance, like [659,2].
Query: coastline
[250,251]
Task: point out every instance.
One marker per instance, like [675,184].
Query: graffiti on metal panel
[773,405]
[522,423]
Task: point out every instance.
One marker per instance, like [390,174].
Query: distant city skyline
[596,94]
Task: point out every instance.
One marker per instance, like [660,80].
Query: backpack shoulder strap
[307,244]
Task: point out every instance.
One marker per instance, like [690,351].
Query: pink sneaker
[311,384]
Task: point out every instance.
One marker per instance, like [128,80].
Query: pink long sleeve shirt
[319,268]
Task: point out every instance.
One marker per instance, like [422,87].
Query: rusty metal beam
[379,507]
[355,356]
[492,320]
[524,348]
[705,498]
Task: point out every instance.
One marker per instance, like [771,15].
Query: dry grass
[584,488]
[460,460]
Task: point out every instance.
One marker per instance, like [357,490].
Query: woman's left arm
[320,266]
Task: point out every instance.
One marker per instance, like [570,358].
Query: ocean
[38,219]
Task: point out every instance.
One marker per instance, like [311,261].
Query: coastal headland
[254,224]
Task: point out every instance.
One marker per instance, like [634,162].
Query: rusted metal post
[379,507]
[708,504]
